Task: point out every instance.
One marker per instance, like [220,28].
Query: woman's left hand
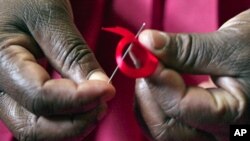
[170,110]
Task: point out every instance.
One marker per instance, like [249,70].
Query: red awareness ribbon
[148,62]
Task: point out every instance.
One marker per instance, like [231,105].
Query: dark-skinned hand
[32,104]
[170,110]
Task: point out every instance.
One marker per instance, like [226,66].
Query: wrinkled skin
[32,105]
[169,110]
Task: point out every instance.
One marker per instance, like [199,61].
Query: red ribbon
[148,62]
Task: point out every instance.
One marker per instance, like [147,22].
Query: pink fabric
[190,16]
[168,15]
[5,134]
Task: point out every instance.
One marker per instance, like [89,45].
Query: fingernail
[146,39]
[153,39]
[99,75]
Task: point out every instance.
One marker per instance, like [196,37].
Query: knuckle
[163,131]
[80,58]
[42,104]
[187,53]
[37,106]
[76,53]
[160,134]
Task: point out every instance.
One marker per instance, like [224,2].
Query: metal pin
[126,52]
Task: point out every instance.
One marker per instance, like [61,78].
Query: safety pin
[126,52]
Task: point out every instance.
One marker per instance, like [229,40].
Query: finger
[31,86]
[195,106]
[211,53]
[78,126]
[26,81]
[27,126]
[158,124]
[55,32]
[148,108]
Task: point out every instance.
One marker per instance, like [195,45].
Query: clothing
[167,15]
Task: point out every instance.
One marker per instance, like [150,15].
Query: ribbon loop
[147,60]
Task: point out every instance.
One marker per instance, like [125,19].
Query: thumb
[61,42]
[191,53]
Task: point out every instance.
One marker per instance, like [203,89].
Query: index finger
[31,86]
